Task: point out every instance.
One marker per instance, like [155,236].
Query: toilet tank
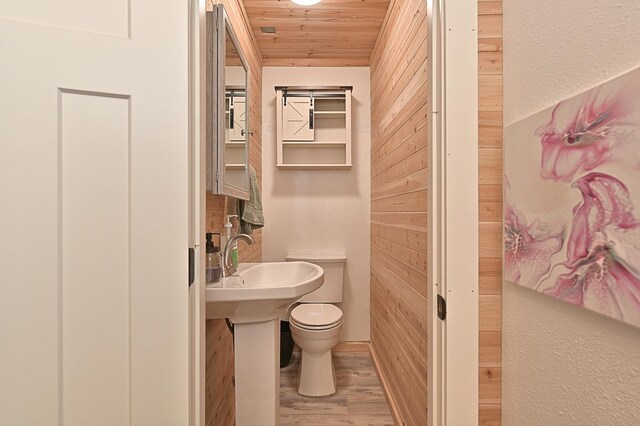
[333,265]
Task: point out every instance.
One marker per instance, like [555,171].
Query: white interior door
[93,212]
[295,122]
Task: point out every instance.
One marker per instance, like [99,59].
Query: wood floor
[358,401]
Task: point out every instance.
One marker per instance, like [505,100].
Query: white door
[295,120]
[93,212]
[236,133]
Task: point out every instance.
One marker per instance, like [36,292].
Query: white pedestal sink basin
[261,291]
[254,299]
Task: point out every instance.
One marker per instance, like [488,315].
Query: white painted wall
[563,365]
[323,211]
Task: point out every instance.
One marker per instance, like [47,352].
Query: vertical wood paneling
[399,207]
[220,392]
[398,179]
[490,209]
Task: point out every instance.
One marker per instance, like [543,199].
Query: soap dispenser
[228,226]
[213,268]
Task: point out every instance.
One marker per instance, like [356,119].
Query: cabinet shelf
[313,144]
[313,128]
[314,166]
[329,113]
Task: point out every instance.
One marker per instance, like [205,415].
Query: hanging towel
[250,212]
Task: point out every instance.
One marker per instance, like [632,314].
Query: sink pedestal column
[257,372]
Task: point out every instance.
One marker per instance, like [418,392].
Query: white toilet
[316,325]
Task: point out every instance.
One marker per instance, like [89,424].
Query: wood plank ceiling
[330,33]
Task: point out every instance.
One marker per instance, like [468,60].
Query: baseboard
[385,387]
[351,347]
[345,347]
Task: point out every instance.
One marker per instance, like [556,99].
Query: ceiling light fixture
[306,2]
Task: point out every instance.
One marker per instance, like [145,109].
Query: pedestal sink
[254,299]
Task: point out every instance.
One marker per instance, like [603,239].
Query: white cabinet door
[295,120]
[237,132]
[94,213]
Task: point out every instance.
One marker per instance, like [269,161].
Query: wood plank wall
[490,208]
[220,393]
[399,207]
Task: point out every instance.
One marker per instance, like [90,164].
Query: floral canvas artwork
[572,200]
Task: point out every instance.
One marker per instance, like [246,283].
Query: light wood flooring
[358,401]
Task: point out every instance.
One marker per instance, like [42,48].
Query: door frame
[453,212]
[197,209]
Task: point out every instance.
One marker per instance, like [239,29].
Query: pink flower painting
[574,170]
[599,274]
[528,248]
[580,137]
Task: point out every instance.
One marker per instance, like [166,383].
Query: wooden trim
[385,387]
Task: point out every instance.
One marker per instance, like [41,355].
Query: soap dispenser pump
[213,268]
[228,226]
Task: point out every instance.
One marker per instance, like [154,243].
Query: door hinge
[442,308]
[192,269]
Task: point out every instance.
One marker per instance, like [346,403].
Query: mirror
[227,109]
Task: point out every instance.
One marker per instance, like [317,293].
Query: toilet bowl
[316,324]
[316,329]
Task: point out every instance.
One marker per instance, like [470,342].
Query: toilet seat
[316,316]
[317,327]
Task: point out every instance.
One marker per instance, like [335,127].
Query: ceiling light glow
[306,2]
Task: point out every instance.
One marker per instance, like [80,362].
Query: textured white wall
[323,211]
[563,365]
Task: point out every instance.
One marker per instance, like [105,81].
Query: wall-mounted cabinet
[314,127]
[227,109]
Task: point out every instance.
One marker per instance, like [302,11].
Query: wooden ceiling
[330,33]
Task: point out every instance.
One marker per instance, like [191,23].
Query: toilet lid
[316,315]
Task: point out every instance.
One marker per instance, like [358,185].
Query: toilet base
[316,376]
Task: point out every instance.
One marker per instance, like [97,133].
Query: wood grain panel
[414,182]
[490,348]
[489,385]
[219,389]
[490,209]
[330,33]
[406,145]
[399,367]
[399,208]
[490,414]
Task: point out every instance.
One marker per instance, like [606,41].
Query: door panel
[239,120]
[93,178]
[95,283]
[295,117]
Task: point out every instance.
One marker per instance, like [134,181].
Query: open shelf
[314,128]
[314,166]
[314,144]
[329,113]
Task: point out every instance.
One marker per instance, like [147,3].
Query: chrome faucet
[229,268]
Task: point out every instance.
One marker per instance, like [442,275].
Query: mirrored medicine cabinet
[227,109]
